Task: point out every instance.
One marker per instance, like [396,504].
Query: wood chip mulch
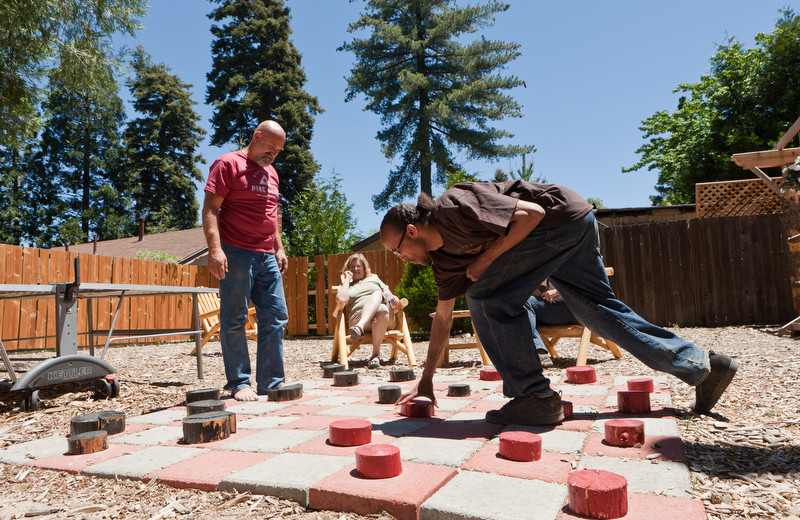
[744,458]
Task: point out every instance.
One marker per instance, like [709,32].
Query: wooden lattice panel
[736,198]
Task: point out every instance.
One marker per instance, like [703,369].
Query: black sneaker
[710,389]
[529,410]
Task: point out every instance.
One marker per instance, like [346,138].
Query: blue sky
[593,70]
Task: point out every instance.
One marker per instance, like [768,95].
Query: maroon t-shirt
[471,215]
[248,217]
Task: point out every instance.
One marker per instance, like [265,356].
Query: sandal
[374,362]
[355,332]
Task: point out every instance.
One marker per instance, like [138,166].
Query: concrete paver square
[271,440]
[151,436]
[335,400]
[401,496]
[140,463]
[358,410]
[552,467]
[397,427]
[206,470]
[473,495]
[667,448]
[644,476]
[564,441]
[161,417]
[257,407]
[31,450]
[429,450]
[75,463]
[288,475]
[263,422]
[452,428]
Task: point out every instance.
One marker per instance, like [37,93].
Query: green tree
[161,148]
[70,40]
[746,103]
[256,75]
[323,220]
[77,185]
[432,91]
[12,196]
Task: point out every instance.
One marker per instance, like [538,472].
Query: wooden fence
[33,320]
[701,272]
[704,272]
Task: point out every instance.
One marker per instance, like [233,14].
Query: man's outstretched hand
[424,388]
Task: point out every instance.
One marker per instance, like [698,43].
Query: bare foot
[245,394]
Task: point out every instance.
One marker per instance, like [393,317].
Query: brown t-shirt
[471,215]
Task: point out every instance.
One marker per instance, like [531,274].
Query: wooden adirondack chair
[209,319]
[399,337]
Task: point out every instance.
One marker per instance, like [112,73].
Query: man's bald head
[268,140]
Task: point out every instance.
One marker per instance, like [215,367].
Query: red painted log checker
[598,494]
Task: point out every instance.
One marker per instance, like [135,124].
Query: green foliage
[157,256]
[459,175]
[161,148]
[432,91]
[746,103]
[256,75]
[597,202]
[525,173]
[74,181]
[69,40]
[323,220]
[418,285]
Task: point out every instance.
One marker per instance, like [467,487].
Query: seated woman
[546,307]
[369,301]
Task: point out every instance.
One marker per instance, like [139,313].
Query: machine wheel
[30,402]
[103,389]
[114,388]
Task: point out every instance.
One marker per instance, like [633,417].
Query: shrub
[419,287]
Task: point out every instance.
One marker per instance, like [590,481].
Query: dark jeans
[569,257]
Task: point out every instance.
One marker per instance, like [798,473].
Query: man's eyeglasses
[396,250]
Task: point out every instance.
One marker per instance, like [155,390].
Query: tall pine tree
[256,75]
[76,183]
[161,147]
[432,91]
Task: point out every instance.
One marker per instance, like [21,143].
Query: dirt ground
[744,459]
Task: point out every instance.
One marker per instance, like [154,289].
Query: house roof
[189,245]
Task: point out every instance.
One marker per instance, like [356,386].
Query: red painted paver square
[206,470]
[321,446]
[76,463]
[670,448]
[552,467]
[401,496]
[654,507]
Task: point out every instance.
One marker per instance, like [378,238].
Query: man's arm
[526,217]
[280,254]
[440,336]
[217,261]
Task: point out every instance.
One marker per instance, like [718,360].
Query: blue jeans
[255,276]
[542,312]
[569,257]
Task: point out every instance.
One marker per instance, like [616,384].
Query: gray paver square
[430,450]
[263,422]
[357,410]
[652,426]
[140,463]
[644,476]
[582,390]
[334,400]
[465,497]
[289,475]
[160,417]
[38,449]
[623,380]
[562,441]
[471,417]
[271,440]
[258,407]
[397,427]
[657,399]
[150,437]
[452,405]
